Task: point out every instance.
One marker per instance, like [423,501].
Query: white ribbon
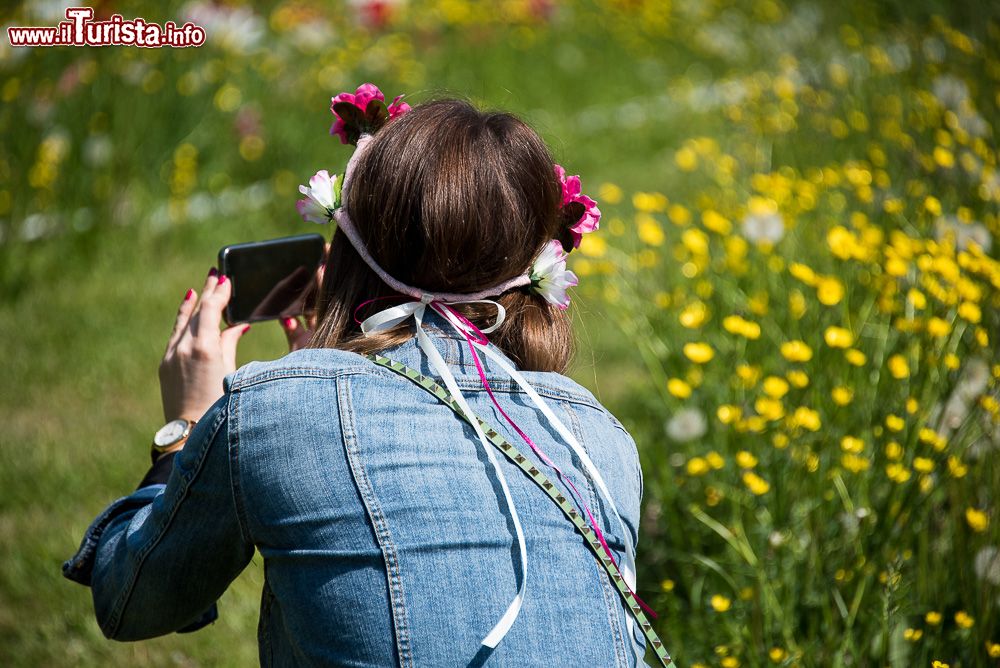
[389,318]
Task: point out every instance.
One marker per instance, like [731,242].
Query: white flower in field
[963,233]
[950,91]
[776,539]
[764,223]
[987,565]
[234,29]
[686,424]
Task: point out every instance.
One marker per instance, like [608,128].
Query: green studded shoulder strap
[547,486]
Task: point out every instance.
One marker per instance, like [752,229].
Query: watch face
[170,433]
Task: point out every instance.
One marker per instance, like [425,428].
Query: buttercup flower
[579,211]
[321,198]
[550,277]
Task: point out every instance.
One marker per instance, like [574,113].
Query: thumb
[229,338]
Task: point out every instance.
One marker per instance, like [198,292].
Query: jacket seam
[123,599]
[397,600]
[235,471]
[611,605]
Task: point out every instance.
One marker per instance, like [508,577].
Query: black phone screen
[271,279]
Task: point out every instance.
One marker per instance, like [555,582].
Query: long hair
[448,198]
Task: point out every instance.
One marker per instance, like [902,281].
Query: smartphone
[271,279]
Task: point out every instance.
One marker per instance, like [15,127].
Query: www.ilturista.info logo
[81,30]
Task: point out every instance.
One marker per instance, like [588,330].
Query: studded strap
[547,486]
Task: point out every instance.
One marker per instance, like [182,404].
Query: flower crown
[363,113]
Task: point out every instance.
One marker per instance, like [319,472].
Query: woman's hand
[198,355]
[297,333]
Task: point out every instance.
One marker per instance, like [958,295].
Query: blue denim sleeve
[157,560]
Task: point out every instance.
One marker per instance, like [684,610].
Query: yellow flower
[734,324]
[748,374]
[796,351]
[679,215]
[699,353]
[780,441]
[728,414]
[913,635]
[755,483]
[939,664]
[769,409]
[893,451]
[697,466]
[649,230]
[977,519]
[720,603]
[715,460]
[730,662]
[855,357]
[777,654]
[923,464]
[898,367]
[649,202]
[745,460]
[667,585]
[951,361]
[695,241]
[716,222]
[932,205]
[897,472]
[895,423]
[693,315]
[797,304]
[854,463]
[838,337]
[842,395]
[797,378]
[938,327]
[956,468]
[852,444]
[993,649]
[802,272]
[912,405]
[678,388]
[775,387]
[829,291]
[964,619]
[610,193]
[933,618]
[970,312]
[686,159]
[917,298]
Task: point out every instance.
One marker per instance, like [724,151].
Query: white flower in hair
[549,276]
[322,196]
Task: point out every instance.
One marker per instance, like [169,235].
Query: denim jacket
[381,525]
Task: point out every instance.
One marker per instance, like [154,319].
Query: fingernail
[189,293]
[287,322]
[244,331]
[213,272]
[222,279]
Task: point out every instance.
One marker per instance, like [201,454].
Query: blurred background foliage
[791,303]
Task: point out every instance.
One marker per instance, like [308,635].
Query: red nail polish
[222,279]
[287,322]
[189,293]
[213,272]
[244,330]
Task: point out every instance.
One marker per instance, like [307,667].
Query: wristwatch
[171,434]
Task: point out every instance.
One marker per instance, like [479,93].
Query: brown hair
[448,198]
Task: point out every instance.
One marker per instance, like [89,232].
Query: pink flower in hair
[579,212]
[549,276]
[398,108]
[362,111]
